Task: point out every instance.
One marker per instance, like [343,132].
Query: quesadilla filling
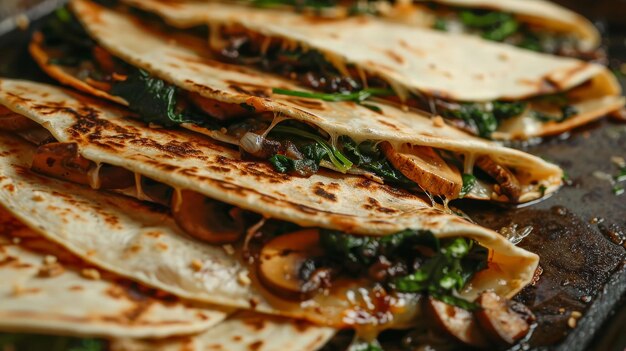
[385,280]
[508,28]
[290,146]
[337,81]
[491,25]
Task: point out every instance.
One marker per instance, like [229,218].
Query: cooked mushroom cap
[206,219]
[502,321]
[217,109]
[457,322]
[426,168]
[13,122]
[508,182]
[156,191]
[281,260]
[62,160]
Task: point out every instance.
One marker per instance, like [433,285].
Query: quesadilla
[334,249]
[536,25]
[243,331]
[174,85]
[499,92]
[46,289]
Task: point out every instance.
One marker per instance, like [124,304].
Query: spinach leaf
[284,164]
[485,121]
[469,181]
[26,342]
[313,151]
[440,24]
[447,272]
[496,26]
[334,155]
[281,163]
[503,110]
[358,96]
[364,250]
[153,99]
[621,175]
[474,19]
[482,121]
[368,156]
[64,31]
[451,265]
[502,31]
[567,111]
[530,42]
[299,4]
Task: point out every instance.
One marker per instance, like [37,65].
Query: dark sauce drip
[576,260]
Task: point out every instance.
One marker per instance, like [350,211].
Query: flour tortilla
[409,58]
[543,13]
[144,243]
[34,300]
[72,304]
[188,66]
[244,331]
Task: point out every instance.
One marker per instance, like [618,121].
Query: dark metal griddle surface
[580,233]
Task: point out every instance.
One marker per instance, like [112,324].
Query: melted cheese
[362,76]
[215,39]
[468,163]
[277,119]
[338,62]
[139,189]
[177,200]
[521,126]
[400,90]
[265,45]
[94,177]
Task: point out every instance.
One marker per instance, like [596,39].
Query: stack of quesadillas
[231,177]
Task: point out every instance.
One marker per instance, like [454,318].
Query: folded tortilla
[536,24]
[46,289]
[143,242]
[543,14]
[187,66]
[49,290]
[459,77]
[243,331]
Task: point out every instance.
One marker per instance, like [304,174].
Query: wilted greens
[427,265]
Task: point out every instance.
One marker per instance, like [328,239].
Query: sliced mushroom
[217,109]
[509,184]
[503,321]
[13,122]
[62,160]
[206,219]
[113,177]
[424,166]
[37,136]
[457,322]
[156,191]
[281,261]
[105,60]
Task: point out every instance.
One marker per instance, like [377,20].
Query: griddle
[580,232]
